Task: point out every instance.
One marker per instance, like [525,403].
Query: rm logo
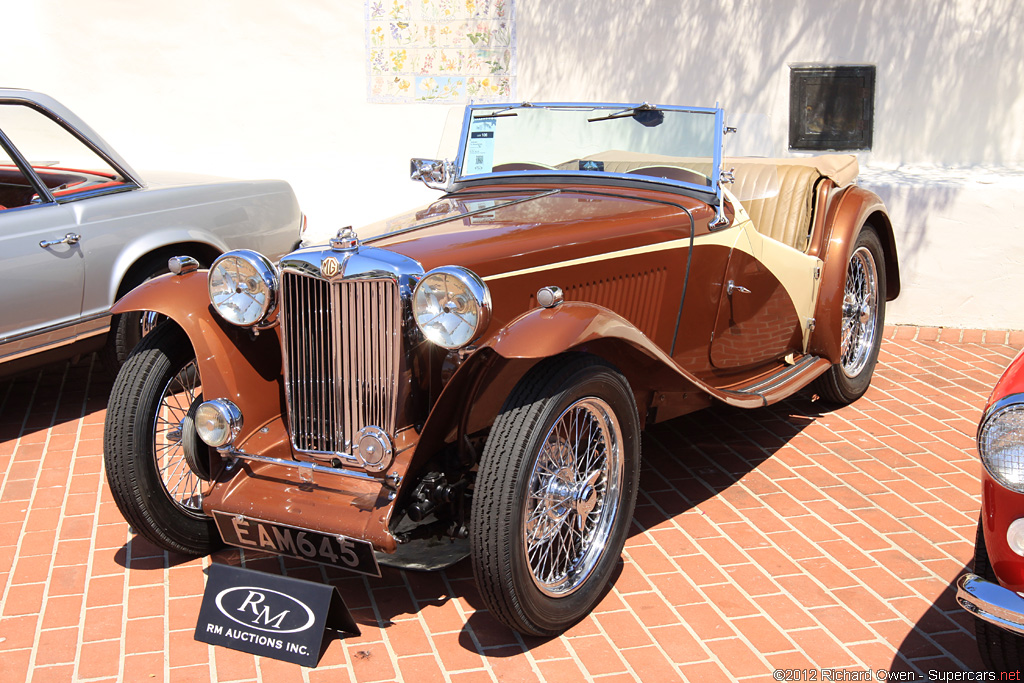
[264,609]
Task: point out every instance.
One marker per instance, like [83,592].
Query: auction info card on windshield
[269,615]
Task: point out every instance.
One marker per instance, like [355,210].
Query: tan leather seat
[784,214]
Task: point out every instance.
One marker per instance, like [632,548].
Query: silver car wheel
[149,320]
[860,311]
[573,497]
[180,483]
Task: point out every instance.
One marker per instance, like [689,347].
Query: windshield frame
[714,188]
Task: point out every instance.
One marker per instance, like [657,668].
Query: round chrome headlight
[218,422]
[1001,441]
[243,287]
[452,306]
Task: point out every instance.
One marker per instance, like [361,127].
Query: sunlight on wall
[246,89]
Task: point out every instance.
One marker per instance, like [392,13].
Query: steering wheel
[522,166]
[684,175]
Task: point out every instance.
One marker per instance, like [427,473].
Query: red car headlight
[1001,441]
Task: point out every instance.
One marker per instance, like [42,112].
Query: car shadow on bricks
[140,554]
[813,519]
[942,638]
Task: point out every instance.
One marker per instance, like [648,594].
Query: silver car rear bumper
[991,602]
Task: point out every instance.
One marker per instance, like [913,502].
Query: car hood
[503,231]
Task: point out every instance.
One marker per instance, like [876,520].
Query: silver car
[79,228]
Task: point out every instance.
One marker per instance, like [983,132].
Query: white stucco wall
[253,88]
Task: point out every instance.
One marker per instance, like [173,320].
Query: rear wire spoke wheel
[554,495]
[860,312]
[155,462]
[863,314]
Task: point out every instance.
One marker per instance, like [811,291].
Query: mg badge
[329,267]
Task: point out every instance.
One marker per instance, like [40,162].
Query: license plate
[331,549]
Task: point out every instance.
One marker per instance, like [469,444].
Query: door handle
[70,238]
[733,287]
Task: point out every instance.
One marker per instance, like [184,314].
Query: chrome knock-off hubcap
[860,312]
[572,501]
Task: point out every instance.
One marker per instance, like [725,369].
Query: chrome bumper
[991,602]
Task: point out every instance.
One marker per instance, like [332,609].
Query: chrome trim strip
[42,348]
[301,466]
[57,327]
[782,377]
[102,192]
[991,602]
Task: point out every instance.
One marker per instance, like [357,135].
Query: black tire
[1000,649]
[593,494]
[139,444]
[863,319]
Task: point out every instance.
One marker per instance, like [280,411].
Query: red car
[993,592]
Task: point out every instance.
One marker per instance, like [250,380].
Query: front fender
[545,332]
[233,363]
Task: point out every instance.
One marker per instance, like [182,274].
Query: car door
[43,273]
[45,169]
[767,297]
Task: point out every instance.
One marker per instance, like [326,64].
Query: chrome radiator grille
[341,353]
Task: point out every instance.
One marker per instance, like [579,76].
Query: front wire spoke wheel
[155,462]
[583,448]
[180,483]
[554,494]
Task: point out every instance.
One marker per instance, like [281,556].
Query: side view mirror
[434,173]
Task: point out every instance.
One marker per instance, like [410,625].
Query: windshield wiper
[632,111]
[501,112]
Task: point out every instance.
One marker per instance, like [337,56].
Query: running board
[783,383]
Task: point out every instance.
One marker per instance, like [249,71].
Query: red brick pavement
[791,537]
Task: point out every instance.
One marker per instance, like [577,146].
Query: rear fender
[233,363]
[849,213]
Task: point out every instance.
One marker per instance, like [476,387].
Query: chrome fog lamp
[452,306]
[1001,441]
[218,422]
[243,287]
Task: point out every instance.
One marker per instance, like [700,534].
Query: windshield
[672,145]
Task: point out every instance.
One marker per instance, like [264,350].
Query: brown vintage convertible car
[482,368]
